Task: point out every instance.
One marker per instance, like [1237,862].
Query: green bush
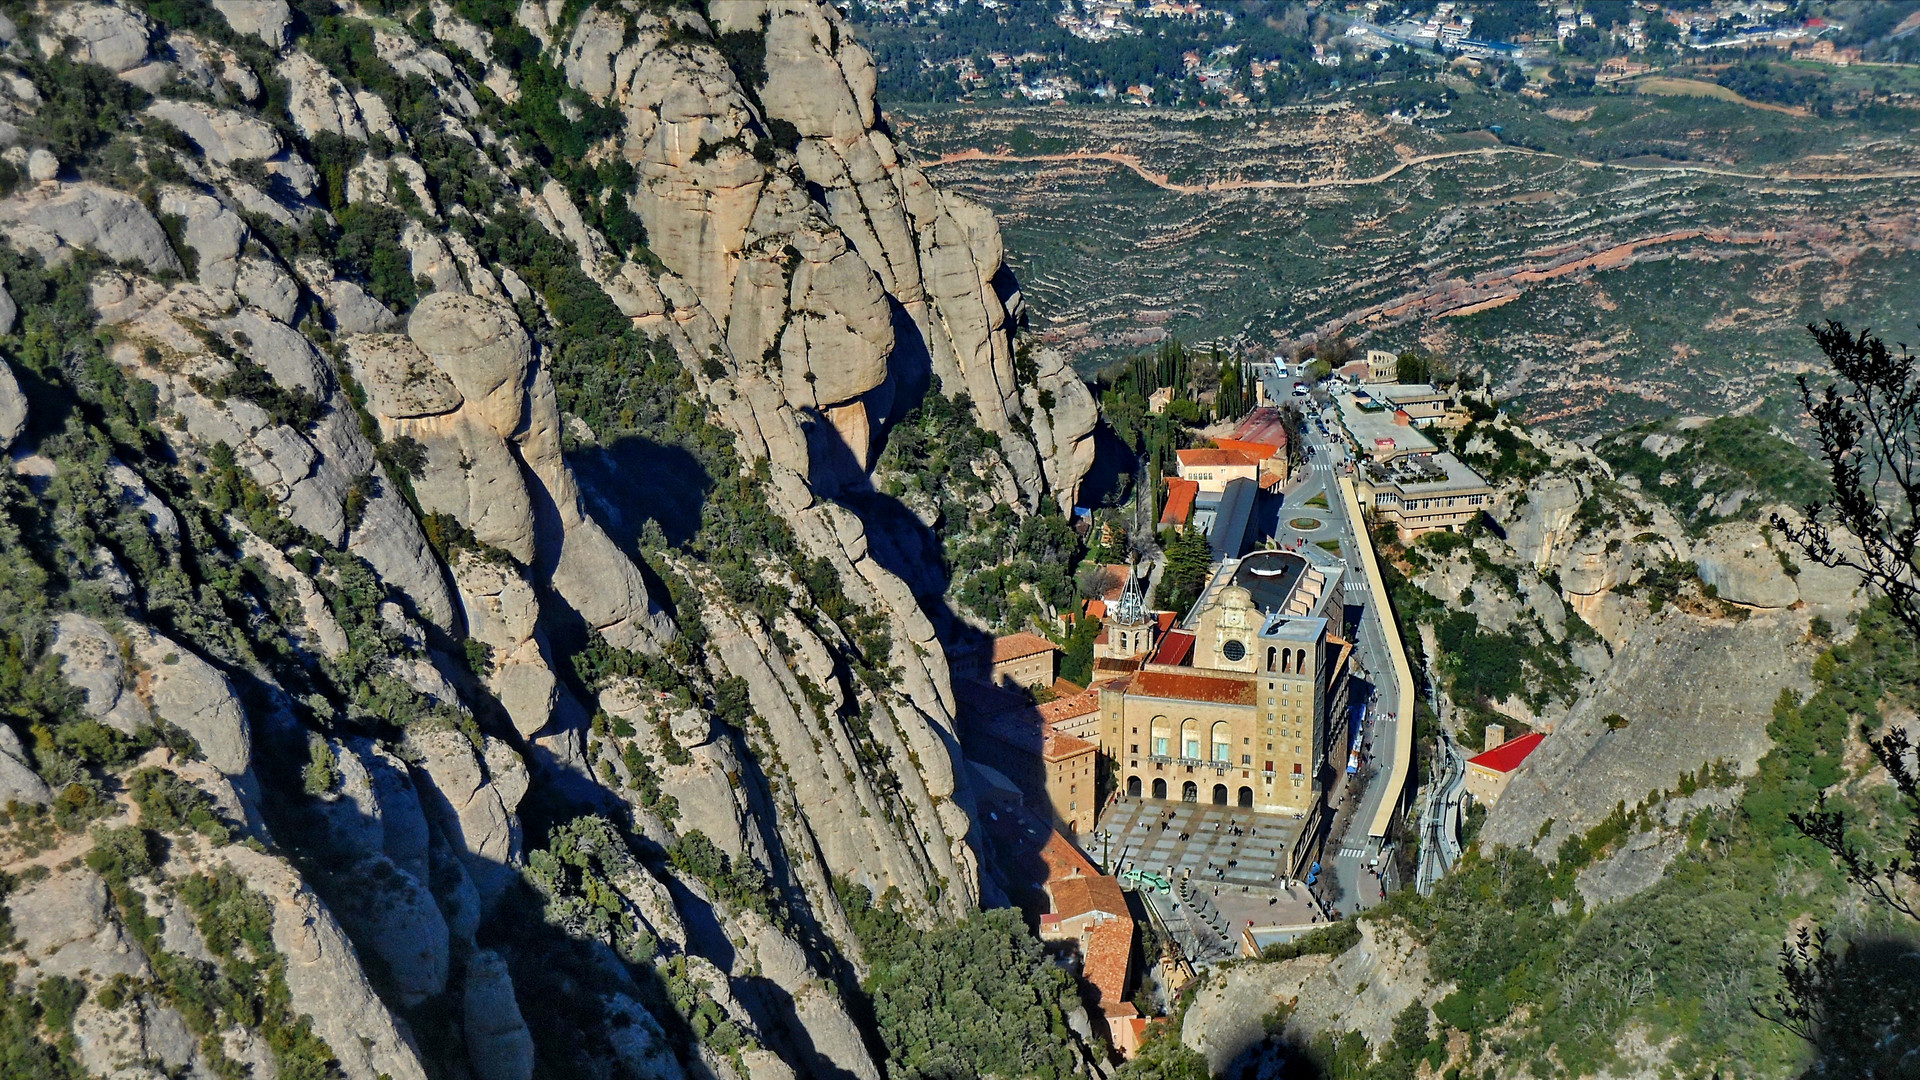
[973,998]
[170,804]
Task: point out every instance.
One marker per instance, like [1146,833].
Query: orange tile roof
[1206,688]
[1259,451]
[1097,609]
[1112,663]
[1014,646]
[1271,480]
[1109,953]
[1180,496]
[1210,456]
[1084,894]
[1066,708]
[1058,746]
[1063,859]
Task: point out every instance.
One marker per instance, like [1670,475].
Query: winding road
[1163,181]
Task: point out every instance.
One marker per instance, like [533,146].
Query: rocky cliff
[360,662]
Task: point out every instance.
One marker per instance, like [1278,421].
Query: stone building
[1023,659]
[1248,719]
[1489,773]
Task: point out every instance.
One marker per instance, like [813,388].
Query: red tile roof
[1508,755]
[1063,859]
[1014,646]
[1097,609]
[1262,425]
[1066,708]
[1109,953]
[1209,456]
[1057,746]
[1259,451]
[1180,495]
[1175,648]
[1207,688]
[1165,619]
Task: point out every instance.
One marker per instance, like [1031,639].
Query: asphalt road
[1349,851]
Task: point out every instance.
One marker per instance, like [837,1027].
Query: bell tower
[1130,627]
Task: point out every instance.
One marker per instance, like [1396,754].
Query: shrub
[170,804]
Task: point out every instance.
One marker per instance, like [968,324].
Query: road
[1349,852]
[1440,817]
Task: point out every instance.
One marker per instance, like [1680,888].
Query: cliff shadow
[631,480]
[1109,482]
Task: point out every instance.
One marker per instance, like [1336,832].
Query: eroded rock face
[810,292]
[52,218]
[499,1047]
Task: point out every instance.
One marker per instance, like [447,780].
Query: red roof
[1180,495]
[1165,619]
[1058,746]
[1175,648]
[1219,691]
[1262,425]
[1508,755]
[1014,646]
[1212,456]
[1259,451]
[1097,609]
[1080,703]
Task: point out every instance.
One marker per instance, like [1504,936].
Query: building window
[1246,759]
[1133,748]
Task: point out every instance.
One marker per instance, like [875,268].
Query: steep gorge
[317,311]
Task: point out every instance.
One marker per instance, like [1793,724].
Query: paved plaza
[1228,868]
[1214,844]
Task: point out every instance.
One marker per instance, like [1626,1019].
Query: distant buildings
[1402,474]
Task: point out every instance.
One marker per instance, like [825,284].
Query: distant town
[1194,53]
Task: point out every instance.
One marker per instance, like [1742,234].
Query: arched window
[1246,797]
[1133,787]
[1286,661]
[1222,742]
[1190,792]
[1162,736]
[1190,738]
[1219,794]
[1272,657]
[1159,788]
[1300,662]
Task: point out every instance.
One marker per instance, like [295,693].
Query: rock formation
[332,610]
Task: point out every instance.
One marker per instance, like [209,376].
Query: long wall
[1404,694]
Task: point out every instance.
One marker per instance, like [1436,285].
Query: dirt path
[1161,180]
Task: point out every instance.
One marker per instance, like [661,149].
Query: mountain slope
[438,549]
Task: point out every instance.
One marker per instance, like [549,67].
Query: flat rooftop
[1270,576]
[1369,425]
[1440,472]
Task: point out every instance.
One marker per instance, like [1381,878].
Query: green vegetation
[1484,667]
[1685,958]
[1330,940]
[1695,471]
[170,804]
[1189,560]
[975,998]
